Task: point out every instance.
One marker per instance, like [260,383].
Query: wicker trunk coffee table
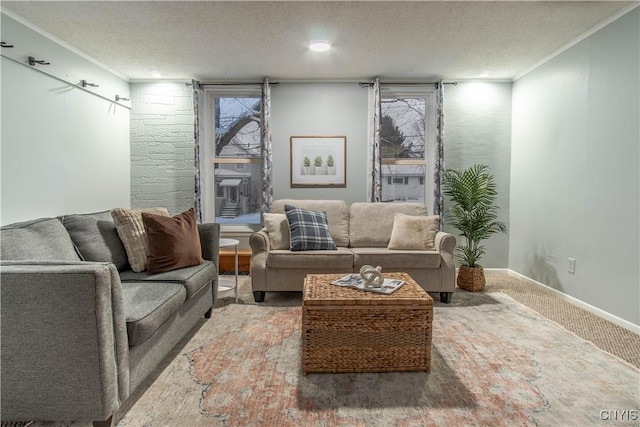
[350,330]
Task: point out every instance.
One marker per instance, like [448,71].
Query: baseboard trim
[495,270]
[575,301]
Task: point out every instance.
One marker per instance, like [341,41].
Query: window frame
[209,160]
[429,93]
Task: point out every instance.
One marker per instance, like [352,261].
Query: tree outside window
[237,159]
[237,127]
[402,130]
[403,126]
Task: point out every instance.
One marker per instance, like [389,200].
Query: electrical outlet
[572,265]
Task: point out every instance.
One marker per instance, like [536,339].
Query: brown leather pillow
[174,242]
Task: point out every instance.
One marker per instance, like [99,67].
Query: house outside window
[407,135]
[232,186]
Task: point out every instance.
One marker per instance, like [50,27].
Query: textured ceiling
[210,40]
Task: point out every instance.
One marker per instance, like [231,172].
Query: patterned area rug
[494,362]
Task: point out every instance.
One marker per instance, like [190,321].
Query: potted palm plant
[473,212]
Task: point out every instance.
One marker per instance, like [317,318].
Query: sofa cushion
[133,235]
[43,239]
[147,305]
[341,258]
[308,230]
[96,238]
[337,215]
[414,232]
[371,223]
[394,260]
[173,242]
[277,228]
[192,278]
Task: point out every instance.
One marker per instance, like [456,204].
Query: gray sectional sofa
[362,233]
[80,331]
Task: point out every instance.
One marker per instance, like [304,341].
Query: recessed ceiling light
[485,74]
[320,46]
[156,74]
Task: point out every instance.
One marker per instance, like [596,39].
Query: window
[402,128]
[397,180]
[406,133]
[232,186]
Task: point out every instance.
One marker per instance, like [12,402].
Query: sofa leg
[103,423]
[258,296]
[445,297]
[207,315]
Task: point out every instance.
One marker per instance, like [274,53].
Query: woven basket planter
[471,278]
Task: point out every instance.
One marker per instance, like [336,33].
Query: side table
[226,284]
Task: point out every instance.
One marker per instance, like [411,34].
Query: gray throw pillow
[43,239]
[96,238]
[308,230]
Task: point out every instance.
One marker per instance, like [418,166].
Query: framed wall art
[318,161]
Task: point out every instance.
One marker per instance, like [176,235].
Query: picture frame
[318,161]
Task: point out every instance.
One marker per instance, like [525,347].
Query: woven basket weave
[349,330]
[471,278]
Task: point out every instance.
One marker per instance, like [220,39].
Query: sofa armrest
[259,242]
[260,247]
[445,244]
[210,241]
[64,340]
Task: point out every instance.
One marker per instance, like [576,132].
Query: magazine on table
[356,281]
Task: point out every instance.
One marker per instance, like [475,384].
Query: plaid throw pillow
[308,229]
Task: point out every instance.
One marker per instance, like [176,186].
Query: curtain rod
[362,84]
[368,84]
[234,84]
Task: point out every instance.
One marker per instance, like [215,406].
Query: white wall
[330,109]
[162,146]
[477,129]
[575,185]
[63,149]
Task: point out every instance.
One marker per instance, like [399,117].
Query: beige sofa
[361,233]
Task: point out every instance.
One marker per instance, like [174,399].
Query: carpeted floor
[495,362]
[605,334]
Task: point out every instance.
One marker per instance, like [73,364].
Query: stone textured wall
[162,146]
